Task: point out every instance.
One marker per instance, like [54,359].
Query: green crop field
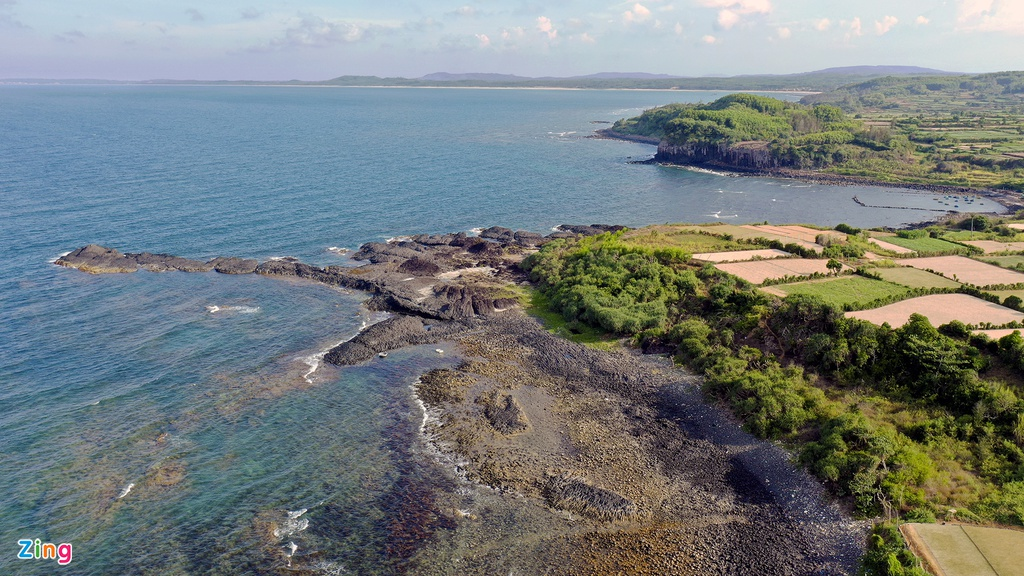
[1005,261]
[685,239]
[925,246]
[914,278]
[844,291]
[1004,294]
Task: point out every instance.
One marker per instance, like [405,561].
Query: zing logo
[34,549]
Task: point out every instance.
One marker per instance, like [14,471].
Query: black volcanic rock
[232,265]
[97,259]
[393,333]
[419,266]
[590,230]
[499,233]
[167,262]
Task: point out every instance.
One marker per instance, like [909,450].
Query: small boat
[382,354]
[439,351]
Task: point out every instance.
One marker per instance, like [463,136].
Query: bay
[173,423]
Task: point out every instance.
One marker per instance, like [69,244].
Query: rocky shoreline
[628,469]
[1012,201]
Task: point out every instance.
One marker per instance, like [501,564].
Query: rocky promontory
[609,462]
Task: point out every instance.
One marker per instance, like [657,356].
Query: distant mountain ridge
[815,81]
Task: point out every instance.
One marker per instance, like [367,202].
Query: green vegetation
[683,238]
[927,246]
[1014,262]
[905,422]
[846,293]
[880,130]
[914,278]
[539,306]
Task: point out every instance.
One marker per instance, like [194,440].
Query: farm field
[940,309]
[796,232]
[757,271]
[964,550]
[740,255]
[914,278]
[1004,261]
[999,333]
[925,245]
[966,270]
[1004,294]
[991,246]
[749,232]
[843,291]
[890,246]
[685,238]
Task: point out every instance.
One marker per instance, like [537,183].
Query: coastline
[1010,200]
[611,461]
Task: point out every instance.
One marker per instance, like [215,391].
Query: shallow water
[171,422]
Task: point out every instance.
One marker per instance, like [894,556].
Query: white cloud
[922,21]
[823,24]
[991,16]
[741,6]
[885,24]
[545,26]
[587,38]
[678,29]
[316,32]
[730,12]
[513,33]
[467,11]
[784,32]
[709,39]
[484,40]
[854,28]
[638,13]
[727,18]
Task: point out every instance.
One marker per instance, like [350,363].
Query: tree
[835,266]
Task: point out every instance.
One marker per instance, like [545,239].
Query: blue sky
[321,39]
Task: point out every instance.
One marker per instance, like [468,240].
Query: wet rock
[97,259]
[443,386]
[573,494]
[167,262]
[504,413]
[232,265]
[391,334]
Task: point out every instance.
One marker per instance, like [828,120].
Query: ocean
[180,423]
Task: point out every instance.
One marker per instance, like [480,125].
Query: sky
[323,39]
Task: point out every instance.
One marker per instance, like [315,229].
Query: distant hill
[884,71]
[917,94]
[816,81]
[473,76]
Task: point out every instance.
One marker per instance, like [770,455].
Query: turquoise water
[159,437]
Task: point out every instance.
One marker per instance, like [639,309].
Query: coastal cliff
[741,157]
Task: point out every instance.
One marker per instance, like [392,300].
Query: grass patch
[1004,294]
[961,235]
[1013,262]
[914,278]
[539,306]
[687,240]
[844,291]
[925,246]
